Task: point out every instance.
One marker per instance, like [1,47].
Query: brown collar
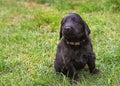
[74,43]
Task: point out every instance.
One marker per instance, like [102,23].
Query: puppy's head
[73,27]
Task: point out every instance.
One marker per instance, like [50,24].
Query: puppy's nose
[68,29]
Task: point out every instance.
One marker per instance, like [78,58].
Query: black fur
[71,58]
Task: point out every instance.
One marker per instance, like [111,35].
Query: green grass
[29,34]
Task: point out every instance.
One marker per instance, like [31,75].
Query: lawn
[29,34]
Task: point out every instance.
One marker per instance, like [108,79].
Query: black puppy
[75,49]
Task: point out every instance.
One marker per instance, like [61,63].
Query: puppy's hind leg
[72,72]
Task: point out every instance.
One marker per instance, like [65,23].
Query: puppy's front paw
[95,71]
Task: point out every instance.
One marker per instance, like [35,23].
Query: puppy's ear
[60,32]
[61,28]
[86,28]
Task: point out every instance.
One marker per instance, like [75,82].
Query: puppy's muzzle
[68,30]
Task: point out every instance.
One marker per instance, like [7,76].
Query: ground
[29,34]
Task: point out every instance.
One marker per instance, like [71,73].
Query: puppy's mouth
[68,34]
[71,36]
[68,31]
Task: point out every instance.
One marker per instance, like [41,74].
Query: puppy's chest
[77,56]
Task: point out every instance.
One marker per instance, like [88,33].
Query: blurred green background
[29,34]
